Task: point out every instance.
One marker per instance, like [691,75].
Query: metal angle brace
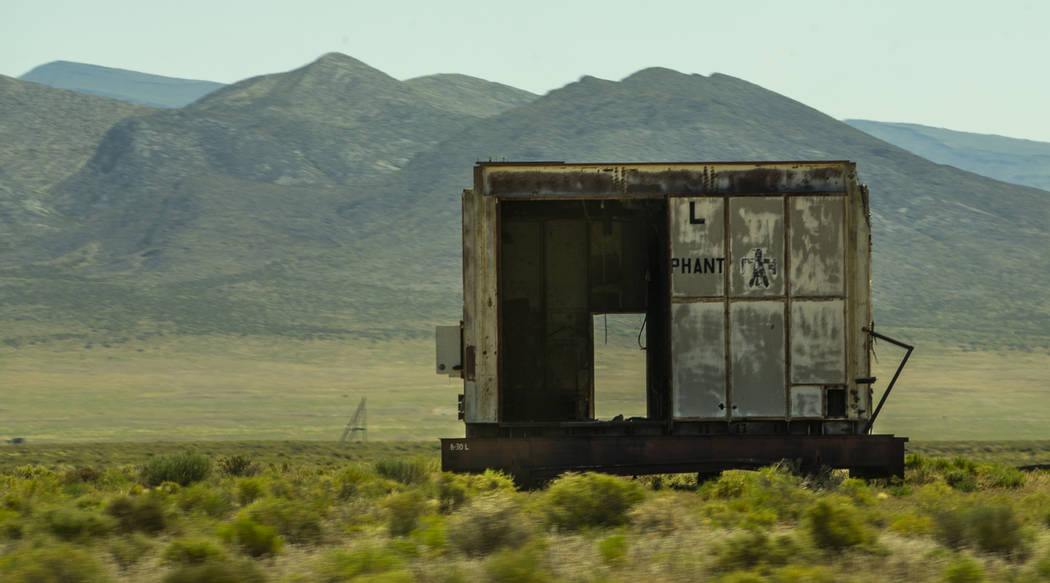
[900,367]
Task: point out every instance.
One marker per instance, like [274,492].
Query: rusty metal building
[754,282]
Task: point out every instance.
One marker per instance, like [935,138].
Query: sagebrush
[183,517]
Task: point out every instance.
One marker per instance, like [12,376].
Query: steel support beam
[534,460]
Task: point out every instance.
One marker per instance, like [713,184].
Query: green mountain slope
[329,125]
[1024,162]
[122,84]
[469,94]
[325,202]
[17,214]
[223,216]
[333,122]
[954,252]
[47,135]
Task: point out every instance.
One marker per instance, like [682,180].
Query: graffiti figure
[759,267]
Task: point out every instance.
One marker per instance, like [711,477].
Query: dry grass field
[952,394]
[223,388]
[246,388]
[215,459]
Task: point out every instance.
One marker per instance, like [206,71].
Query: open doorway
[619,365]
[561,262]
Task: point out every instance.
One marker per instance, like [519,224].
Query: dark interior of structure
[561,262]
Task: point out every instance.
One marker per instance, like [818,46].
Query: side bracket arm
[900,367]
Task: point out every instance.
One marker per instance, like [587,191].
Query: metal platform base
[534,460]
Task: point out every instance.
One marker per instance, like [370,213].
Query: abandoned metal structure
[754,282]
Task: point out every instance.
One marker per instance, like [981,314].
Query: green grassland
[295,511]
[69,456]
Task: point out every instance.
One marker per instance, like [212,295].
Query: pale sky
[970,66]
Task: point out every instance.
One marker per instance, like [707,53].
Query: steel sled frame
[535,460]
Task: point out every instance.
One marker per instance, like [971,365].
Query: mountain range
[48,135]
[325,201]
[1019,161]
[122,84]
[1024,162]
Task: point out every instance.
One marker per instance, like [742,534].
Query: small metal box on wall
[449,358]
[753,279]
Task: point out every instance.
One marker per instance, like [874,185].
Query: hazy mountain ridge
[52,131]
[183,219]
[16,211]
[944,238]
[323,125]
[1025,162]
[333,122]
[133,86]
[470,94]
[49,133]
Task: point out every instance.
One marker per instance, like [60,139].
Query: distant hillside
[16,211]
[328,126]
[325,202]
[331,122]
[954,251]
[47,135]
[1024,162]
[152,90]
[216,217]
[469,94]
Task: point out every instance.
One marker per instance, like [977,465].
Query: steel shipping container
[754,279]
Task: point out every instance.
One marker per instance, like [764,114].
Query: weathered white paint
[448,351]
[858,299]
[480,334]
[756,250]
[818,342]
[698,360]
[807,402]
[817,254]
[756,346]
[695,244]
